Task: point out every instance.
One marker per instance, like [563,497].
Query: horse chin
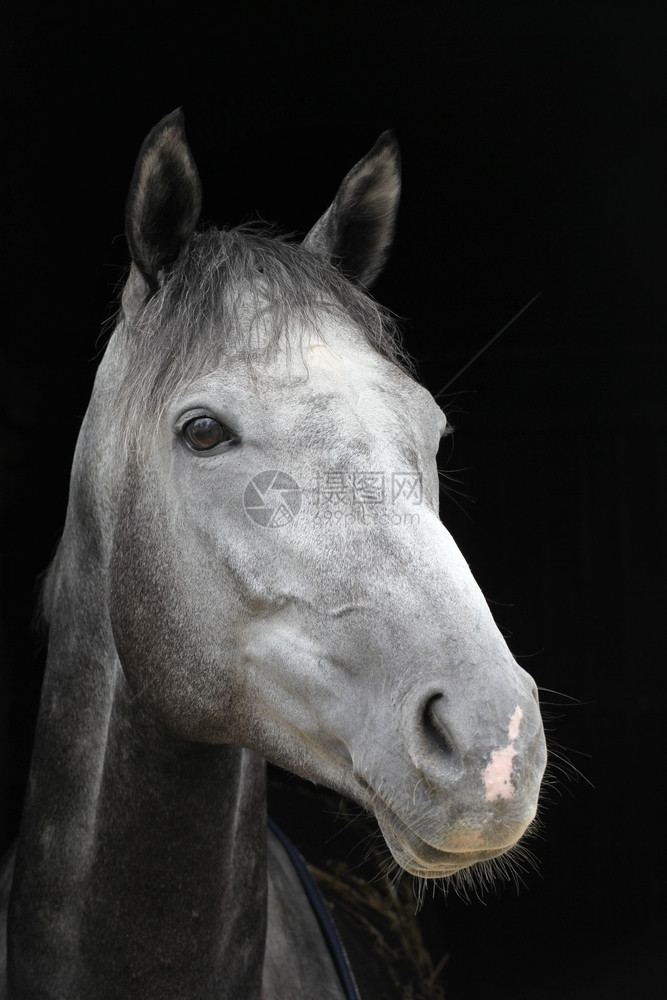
[420,858]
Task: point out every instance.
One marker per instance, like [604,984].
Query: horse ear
[163,203]
[357,229]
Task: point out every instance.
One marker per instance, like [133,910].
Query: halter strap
[321,911]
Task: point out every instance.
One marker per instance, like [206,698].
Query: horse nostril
[435,725]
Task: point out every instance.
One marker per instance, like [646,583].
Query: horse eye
[204,433]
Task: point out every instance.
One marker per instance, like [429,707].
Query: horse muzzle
[471,779]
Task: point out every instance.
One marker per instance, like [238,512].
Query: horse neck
[141,868]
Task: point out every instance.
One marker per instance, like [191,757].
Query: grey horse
[252,568]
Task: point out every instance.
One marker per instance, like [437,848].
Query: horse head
[280,578]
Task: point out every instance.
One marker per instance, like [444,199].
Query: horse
[252,568]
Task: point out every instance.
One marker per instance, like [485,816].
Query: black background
[532,137]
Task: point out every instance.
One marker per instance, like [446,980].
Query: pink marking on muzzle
[497,775]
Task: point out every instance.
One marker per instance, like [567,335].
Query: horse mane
[239,292]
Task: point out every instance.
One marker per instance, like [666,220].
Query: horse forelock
[238,292]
